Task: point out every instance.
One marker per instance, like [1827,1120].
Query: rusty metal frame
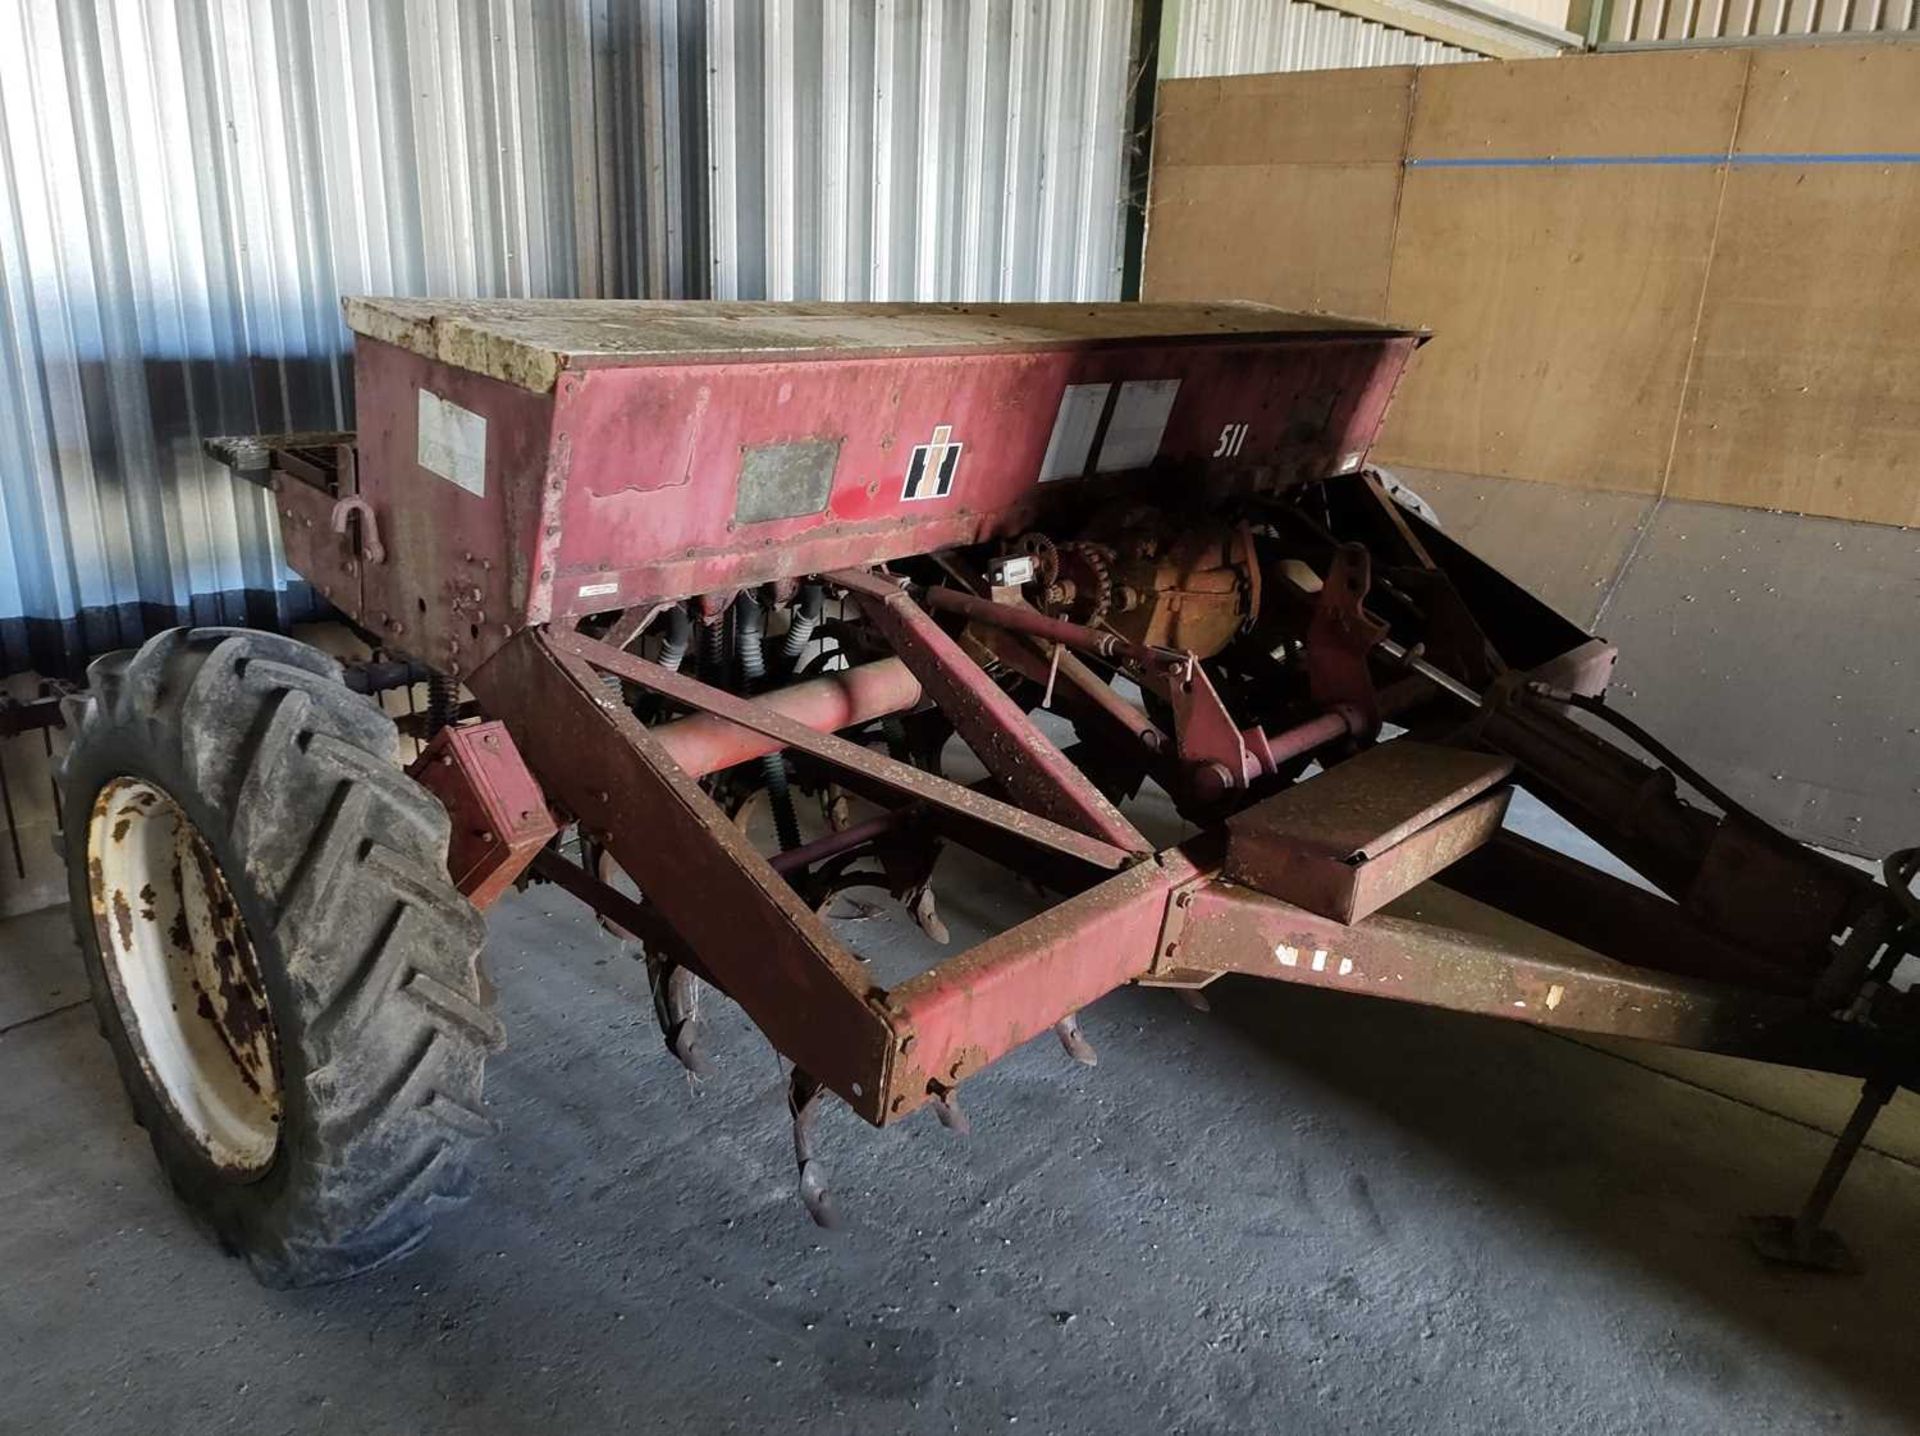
[729,912]
[1442,949]
[1168,918]
[760,943]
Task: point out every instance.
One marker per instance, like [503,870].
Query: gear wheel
[1045,555]
[1089,566]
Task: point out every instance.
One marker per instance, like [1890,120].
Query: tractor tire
[289,981]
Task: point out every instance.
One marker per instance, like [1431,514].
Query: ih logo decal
[930,471]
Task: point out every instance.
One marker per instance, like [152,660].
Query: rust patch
[237,1010]
[123,917]
[213,884]
[242,1050]
[120,829]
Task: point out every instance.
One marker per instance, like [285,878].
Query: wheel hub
[184,975]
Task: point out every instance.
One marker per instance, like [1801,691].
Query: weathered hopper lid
[529,342]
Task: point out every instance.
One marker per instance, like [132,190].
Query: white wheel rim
[183,972]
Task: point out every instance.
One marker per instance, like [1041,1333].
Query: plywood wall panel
[1218,234]
[1806,385]
[1551,294]
[1673,103]
[1323,117]
[1687,272]
[1832,99]
[1548,247]
[1278,188]
[1805,393]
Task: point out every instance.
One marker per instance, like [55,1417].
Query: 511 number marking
[1231,438]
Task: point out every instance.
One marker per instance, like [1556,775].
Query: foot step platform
[1355,837]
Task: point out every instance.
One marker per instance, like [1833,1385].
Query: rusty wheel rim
[184,974]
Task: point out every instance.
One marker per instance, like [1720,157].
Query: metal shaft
[1436,676]
[1873,1096]
[703,744]
[1038,625]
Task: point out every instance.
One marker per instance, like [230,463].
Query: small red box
[500,816]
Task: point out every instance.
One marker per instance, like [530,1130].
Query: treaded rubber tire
[369,956]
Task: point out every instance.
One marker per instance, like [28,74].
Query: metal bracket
[371,549]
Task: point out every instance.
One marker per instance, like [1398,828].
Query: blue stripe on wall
[1529,162]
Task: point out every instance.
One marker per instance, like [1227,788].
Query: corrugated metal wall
[918,149]
[1679,21]
[187,186]
[1252,37]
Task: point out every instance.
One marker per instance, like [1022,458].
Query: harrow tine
[946,1106]
[1067,1029]
[803,1101]
[927,915]
[676,1004]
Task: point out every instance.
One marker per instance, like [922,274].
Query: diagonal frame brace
[903,777]
[765,947]
[1028,765]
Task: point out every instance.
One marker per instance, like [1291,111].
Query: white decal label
[599,590]
[1075,426]
[930,471]
[453,442]
[1231,439]
[1139,421]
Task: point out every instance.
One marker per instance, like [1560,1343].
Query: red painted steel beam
[916,782]
[703,743]
[1031,768]
[1614,917]
[1048,867]
[977,1007]
[1441,949]
[763,945]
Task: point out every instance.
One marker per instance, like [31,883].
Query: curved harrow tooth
[1067,1029]
[676,1006]
[928,915]
[803,1101]
[946,1106]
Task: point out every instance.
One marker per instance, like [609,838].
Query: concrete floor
[1302,1212]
